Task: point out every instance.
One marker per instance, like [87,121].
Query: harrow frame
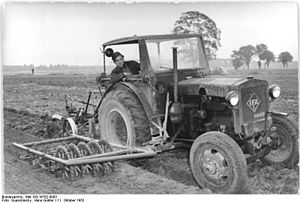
[119,153]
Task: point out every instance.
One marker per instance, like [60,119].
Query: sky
[72,33]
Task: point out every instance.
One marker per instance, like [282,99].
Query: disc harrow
[77,156]
[82,149]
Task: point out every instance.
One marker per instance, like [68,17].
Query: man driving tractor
[123,68]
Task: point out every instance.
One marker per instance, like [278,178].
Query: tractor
[225,121]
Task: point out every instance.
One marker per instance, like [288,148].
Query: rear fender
[143,100]
[280,114]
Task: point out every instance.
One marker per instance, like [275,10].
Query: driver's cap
[115,55]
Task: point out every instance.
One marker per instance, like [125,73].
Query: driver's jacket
[117,74]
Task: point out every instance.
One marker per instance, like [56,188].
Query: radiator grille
[254,103]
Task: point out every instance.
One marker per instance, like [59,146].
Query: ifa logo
[253,102]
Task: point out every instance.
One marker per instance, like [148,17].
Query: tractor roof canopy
[135,39]
[157,51]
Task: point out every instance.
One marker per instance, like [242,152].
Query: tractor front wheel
[218,163]
[122,119]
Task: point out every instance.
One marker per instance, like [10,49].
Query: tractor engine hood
[215,86]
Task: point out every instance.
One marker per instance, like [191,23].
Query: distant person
[123,68]
[32,71]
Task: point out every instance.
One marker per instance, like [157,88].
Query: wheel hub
[275,144]
[215,166]
[280,146]
[117,128]
[210,167]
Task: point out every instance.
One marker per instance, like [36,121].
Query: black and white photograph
[149,98]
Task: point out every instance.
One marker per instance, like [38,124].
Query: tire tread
[239,184]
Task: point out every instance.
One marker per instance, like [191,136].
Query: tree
[237,62]
[268,56]
[236,59]
[284,58]
[245,54]
[194,22]
[260,49]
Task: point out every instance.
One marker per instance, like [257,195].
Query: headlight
[233,98]
[274,91]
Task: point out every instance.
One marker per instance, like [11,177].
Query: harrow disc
[98,168]
[95,147]
[106,147]
[85,150]
[74,153]
[62,153]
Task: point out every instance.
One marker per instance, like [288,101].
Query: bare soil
[29,102]
[22,177]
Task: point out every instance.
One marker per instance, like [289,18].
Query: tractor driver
[123,68]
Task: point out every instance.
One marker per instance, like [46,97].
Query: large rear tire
[218,163]
[122,119]
[286,152]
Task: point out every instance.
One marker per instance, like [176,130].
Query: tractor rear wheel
[218,163]
[122,119]
[285,152]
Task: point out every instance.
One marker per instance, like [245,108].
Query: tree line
[195,22]
[259,53]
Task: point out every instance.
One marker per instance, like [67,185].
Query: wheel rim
[118,128]
[69,127]
[284,143]
[67,131]
[214,166]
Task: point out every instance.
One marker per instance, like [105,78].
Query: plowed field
[29,102]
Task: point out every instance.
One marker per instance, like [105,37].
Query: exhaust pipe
[175,74]
[176,111]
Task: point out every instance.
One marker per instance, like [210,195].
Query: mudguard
[280,114]
[142,98]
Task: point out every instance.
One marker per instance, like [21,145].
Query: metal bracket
[163,134]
